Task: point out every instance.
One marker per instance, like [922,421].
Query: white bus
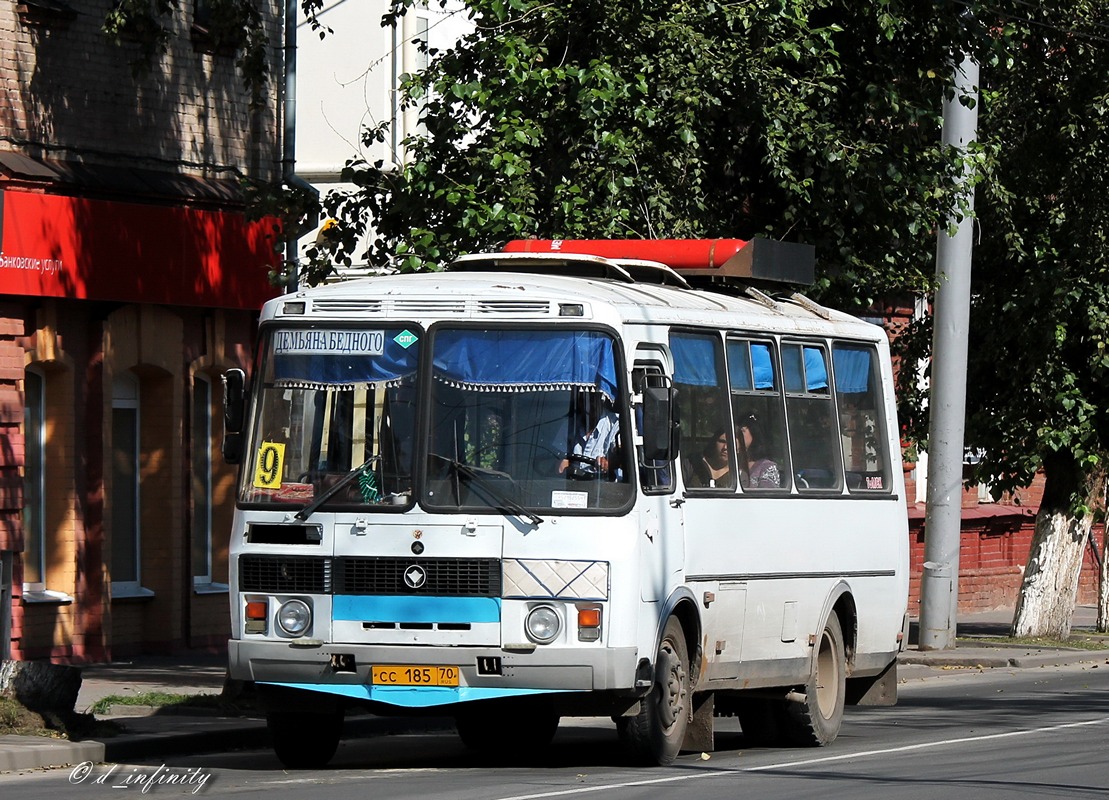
[569,483]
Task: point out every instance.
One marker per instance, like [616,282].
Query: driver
[586,453]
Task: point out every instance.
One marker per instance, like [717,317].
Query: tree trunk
[1103,583]
[40,686]
[1045,605]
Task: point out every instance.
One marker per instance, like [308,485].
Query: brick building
[129,280]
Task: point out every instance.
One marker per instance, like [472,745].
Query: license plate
[400,675]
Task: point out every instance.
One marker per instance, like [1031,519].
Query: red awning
[59,246]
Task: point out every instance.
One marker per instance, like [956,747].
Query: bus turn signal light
[589,624]
[256,610]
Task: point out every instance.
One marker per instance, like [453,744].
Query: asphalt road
[995,733]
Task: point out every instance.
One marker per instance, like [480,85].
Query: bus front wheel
[516,727]
[654,736]
[814,719]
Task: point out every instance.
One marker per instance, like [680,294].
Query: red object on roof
[675,253]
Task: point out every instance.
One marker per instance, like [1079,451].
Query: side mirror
[660,421]
[234,391]
[234,414]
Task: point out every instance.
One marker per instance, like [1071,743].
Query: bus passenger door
[661,547]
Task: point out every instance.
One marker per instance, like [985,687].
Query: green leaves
[1039,324]
[798,119]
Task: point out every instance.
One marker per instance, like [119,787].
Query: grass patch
[18,720]
[176,702]
[1075,642]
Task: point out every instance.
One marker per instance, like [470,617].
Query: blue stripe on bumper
[415,696]
[402,608]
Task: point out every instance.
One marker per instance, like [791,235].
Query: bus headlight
[294,617]
[542,625]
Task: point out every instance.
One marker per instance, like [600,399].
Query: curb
[182,743]
[34,752]
[997,658]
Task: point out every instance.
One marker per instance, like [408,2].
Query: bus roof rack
[574,265]
[756,260]
[644,271]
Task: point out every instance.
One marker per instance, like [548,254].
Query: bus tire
[304,739]
[516,728]
[654,736]
[814,719]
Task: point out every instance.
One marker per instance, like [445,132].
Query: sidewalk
[150,734]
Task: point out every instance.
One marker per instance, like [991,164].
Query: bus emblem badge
[415,577]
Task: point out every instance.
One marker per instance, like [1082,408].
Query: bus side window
[708,439]
[812,423]
[757,407]
[862,427]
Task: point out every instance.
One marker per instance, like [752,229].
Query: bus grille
[283,574]
[460,577]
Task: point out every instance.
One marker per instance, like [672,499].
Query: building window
[5,605]
[34,482]
[125,486]
[202,481]
[422,44]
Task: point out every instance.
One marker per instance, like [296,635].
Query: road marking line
[719,772]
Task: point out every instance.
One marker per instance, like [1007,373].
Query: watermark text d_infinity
[145,779]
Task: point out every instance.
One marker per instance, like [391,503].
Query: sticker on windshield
[569,500]
[325,343]
[269,466]
[406,339]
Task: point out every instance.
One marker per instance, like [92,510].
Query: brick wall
[12,326]
[67,87]
[993,553]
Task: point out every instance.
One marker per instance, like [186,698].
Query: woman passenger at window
[713,470]
[760,471]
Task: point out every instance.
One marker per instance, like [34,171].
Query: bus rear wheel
[654,736]
[814,720]
[304,739]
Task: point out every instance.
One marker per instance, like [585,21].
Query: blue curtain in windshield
[345,359]
[526,361]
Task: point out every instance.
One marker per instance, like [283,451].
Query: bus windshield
[331,401]
[526,417]
[515,420]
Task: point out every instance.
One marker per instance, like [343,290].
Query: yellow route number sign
[270,464]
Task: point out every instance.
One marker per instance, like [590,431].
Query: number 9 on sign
[268,469]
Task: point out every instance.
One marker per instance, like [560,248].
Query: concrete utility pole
[939,583]
[289,129]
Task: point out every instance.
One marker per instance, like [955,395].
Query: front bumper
[540,671]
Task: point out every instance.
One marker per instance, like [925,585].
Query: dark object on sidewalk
[40,686]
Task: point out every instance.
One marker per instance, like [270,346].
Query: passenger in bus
[586,455]
[760,472]
[714,469]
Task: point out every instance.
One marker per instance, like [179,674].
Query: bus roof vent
[345,305]
[699,261]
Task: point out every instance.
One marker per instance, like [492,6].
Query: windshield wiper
[479,475]
[334,489]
